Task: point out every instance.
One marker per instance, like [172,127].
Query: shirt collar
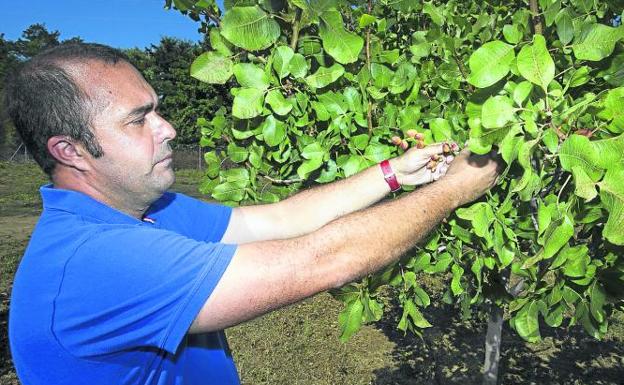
[83,205]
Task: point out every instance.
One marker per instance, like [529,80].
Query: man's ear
[68,152]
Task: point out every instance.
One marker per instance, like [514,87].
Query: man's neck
[133,206]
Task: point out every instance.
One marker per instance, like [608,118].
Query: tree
[324,85]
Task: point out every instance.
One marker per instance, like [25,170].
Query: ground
[299,345]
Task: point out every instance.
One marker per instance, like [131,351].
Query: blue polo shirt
[104,298]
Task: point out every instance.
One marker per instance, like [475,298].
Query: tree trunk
[493,341]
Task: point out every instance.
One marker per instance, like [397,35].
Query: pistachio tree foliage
[321,86]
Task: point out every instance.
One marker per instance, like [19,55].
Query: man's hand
[412,169]
[472,175]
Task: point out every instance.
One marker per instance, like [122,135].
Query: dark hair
[43,100]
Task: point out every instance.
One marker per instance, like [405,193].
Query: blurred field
[299,345]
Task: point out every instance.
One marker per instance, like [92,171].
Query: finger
[449,159]
[433,149]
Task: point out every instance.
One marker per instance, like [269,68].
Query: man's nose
[165,130]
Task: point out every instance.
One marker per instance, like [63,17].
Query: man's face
[136,164]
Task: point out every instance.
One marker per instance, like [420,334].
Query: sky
[118,23]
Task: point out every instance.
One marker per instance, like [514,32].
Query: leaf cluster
[322,85]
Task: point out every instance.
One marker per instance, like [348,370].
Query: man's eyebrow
[140,111]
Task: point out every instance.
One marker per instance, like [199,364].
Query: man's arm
[311,209]
[264,276]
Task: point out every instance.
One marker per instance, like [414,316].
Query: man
[124,283]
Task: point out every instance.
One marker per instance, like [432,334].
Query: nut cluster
[412,136]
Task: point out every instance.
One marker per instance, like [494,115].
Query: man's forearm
[311,209]
[369,240]
[308,210]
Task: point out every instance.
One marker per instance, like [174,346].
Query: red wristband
[389,176]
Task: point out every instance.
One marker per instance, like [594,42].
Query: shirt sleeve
[193,218]
[135,287]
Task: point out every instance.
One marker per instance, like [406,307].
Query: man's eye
[139,122]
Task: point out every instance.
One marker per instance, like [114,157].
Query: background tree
[34,39]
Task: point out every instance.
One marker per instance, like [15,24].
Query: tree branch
[369,111]
[462,70]
[285,182]
[295,30]
[538,27]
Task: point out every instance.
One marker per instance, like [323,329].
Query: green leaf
[508,147]
[611,152]
[490,63]
[213,164]
[551,12]
[360,141]
[441,129]
[557,235]
[577,259]
[410,310]
[308,166]
[282,56]
[614,75]
[248,103]
[612,196]
[565,28]
[497,111]
[313,150]
[598,298]
[218,43]
[376,152]
[278,103]
[249,28]
[325,76]
[613,110]
[524,158]
[526,321]
[421,297]
[298,66]
[353,165]
[503,249]
[237,154]
[350,319]
[434,12]
[250,76]
[579,77]
[596,42]
[230,191]
[366,20]
[373,310]
[212,67]
[584,186]
[583,315]
[544,217]
[521,92]
[375,93]
[382,75]
[577,151]
[456,287]
[555,316]
[273,131]
[343,46]
[535,63]
[420,50]
[512,33]
[329,173]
